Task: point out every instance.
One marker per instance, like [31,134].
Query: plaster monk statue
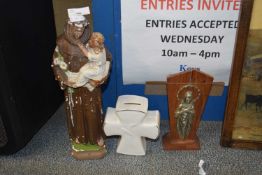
[81,65]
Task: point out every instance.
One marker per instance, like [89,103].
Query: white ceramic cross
[133,123]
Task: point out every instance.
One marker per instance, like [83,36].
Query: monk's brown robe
[84,108]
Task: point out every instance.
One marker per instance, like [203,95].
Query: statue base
[88,155]
[171,143]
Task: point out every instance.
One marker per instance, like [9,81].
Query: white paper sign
[162,37]
[77,14]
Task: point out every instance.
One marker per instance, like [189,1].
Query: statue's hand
[59,74]
[94,83]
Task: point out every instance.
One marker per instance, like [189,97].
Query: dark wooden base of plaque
[88,155]
[170,143]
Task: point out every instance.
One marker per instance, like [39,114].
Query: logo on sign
[184,67]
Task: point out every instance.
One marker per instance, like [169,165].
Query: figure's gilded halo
[189,87]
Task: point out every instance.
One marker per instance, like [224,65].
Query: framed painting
[242,126]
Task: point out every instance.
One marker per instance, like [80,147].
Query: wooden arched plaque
[187,95]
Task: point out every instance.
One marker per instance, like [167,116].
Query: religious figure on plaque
[81,65]
[187,95]
[184,115]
